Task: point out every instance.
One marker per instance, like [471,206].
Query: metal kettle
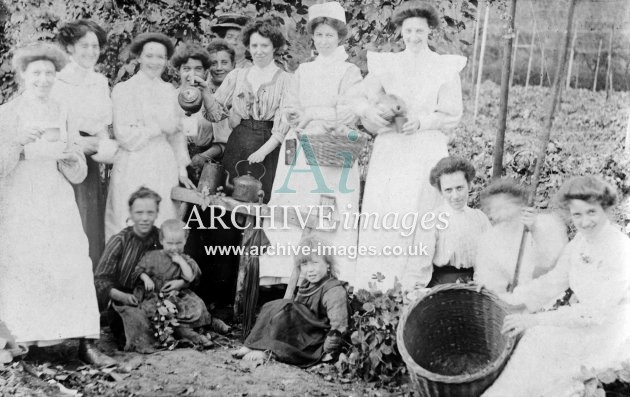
[190,99]
[246,188]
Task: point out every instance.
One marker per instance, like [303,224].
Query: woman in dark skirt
[301,331]
[86,94]
[252,97]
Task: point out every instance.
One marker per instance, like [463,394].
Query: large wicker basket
[332,149]
[451,325]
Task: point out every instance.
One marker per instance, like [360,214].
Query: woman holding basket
[427,84]
[316,103]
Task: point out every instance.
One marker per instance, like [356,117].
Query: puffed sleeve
[280,125]
[177,140]
[335,301]
[535,294]
[218,108]
[9,149]
[365,94]
[418,272]
[130,129]
[449,107]
[549,238]
[345,111]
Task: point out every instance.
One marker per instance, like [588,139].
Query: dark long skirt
[244,140]
[291,331]
[91,196]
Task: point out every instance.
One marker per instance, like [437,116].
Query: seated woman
[301,331]
[162,272]
[455,240]
[505,203]
[592,332]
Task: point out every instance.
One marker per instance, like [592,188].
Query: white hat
[331,9]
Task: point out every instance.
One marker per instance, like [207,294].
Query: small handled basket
[336,147]
[451,341]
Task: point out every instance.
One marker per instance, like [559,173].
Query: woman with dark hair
[316,100]
[593,331]
[254,95]
[505,203]
[454,248]
[153,150]
[85,94]
[428,85]
[46,288]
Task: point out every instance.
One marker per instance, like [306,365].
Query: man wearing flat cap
[229,26]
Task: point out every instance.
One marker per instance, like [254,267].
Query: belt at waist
[83,133]
[257,124]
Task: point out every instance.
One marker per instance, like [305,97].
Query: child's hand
[173,285]
[149,285]
[177,258]
[128,299]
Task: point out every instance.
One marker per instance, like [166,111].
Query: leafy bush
[372,354]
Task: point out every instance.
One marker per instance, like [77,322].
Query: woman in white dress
[594,332]
[46,285]
[398,176]
[153,149]
[85,93]
[317,98]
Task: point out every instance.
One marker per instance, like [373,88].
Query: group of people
[66,256]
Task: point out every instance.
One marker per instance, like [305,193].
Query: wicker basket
[332,149]
[452,324]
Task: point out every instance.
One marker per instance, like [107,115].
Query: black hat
[229,20]
[140,40]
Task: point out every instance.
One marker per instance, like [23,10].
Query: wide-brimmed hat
[137,44]
[229,20]
[37,51]
[332,10]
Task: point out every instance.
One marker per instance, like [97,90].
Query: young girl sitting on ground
[302,330]
[169,271]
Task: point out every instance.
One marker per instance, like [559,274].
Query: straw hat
[229,20]
[137,44]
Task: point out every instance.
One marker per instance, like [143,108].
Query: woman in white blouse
[85,93]
[153,150]
[592,332]
[453,250]
[397,185]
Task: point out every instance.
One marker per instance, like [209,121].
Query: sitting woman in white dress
[453,249]
[505,203]
[592,332]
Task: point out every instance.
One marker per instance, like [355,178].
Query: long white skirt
[301,190]
[398,184]
[46,282]
[154,166]
[548,360]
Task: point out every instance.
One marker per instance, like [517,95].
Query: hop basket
[336,148]
[451,341]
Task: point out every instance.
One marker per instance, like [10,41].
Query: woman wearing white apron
[398,174]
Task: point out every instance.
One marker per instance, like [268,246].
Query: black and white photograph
[415,198]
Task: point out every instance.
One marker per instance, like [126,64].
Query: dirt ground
[180,372]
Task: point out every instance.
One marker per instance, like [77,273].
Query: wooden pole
[506,72]
[608,67]
[481,55]
[474,57]
[570,68]
[531,55]
[599,52]
[512,67]
[577,75]
[628,136]
[544,139]
[542,62]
